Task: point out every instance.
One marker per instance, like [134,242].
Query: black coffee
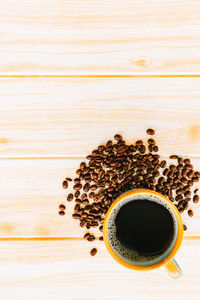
[145,226]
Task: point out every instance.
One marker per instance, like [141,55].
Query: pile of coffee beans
[115,168]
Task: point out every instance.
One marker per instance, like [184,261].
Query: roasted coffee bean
[77,180]
[190,213]
[188,167]
[163,163]
[82,165]
[65,184]
[61,213]
[180,167]
[150,148]
[195,179]
[184,180]
[195,191]
[187,194]
[101,238]
[76,216]
[77,186]
[184,172]
[150,131]
[184,227]
[76,207]
[93,187]
[155,148]
[180,185]
[78,172]
[139,143]
[190,174]
[86,187]
[86,235]
[197,174]
[172,168]
[91,238]
[180,160]
[190,182]
[93,252]
[78,201]
[165,172]
[187,199]
[62,207]
[70,197]
[118,137]
[173,156]
[101,228]
[85,202]
[186,161]
[142,149]
[77,194]
[179,198]
[68,179]
[196,198]
[179,191]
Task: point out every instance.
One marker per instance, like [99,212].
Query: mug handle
[173,269]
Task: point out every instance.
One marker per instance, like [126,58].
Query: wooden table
[72,74]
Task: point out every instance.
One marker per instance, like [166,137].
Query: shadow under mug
[170,264]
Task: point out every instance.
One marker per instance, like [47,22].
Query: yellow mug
[167,260]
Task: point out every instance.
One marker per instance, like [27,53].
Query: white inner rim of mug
[130,256]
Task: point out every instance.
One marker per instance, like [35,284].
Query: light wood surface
[64,270]
[72,74]
[99,37]
[71,116]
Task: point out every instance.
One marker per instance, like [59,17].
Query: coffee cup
[143,231]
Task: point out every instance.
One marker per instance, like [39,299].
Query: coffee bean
[78,201]
[190,174]
[179,191]
[101,238]
[188,167]
[77,194]
[155,148]
[165,172]
[139,143]
[77,180]
[187,194]
[65,184]
[93,187]
[76,216]
[93,252]
[150,148]
[196,198]
[197,174]
[70,197]
[77,186]
[184,172]
[195,179]
[118,137]
[101,228]
[85,202]
[180,160]
[179,198]
[86,187]
[68,179]
[61,213]
[150,131]
[142,149]
[76,207]
[186,161]
[172,168]
[190,213]
[195,191]
[184,180]
[184,227]
[62,207]
[86,235]
[91,238]
[174,156]
[180,167]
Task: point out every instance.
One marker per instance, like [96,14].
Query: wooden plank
[31,191]
[99,37]
[71,116]
[54,270]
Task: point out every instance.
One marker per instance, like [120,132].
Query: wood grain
[99,37]
[31,191]
[70,116]
[64,269]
